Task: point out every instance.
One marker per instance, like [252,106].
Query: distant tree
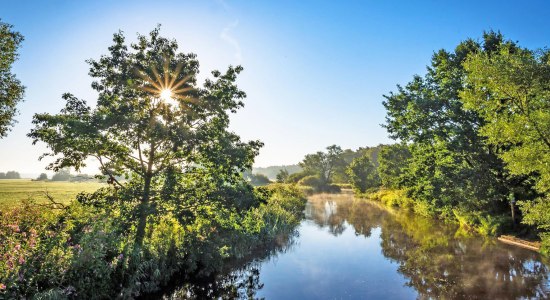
[363,175]
[11,90]
[323,164]
[393,160]
[296,177]
[62,175]
[282,176]
[42,177]
[2,175]
[13,175]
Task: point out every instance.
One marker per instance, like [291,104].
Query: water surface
[354,249]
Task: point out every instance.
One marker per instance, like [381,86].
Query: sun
[166,95]
[166,84]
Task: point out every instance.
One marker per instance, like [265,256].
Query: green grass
[13,191]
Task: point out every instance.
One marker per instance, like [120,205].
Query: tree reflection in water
[438,262]
[435,259]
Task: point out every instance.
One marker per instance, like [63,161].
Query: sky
[315,72]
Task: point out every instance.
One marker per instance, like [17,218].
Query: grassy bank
[478,222]
[14,191]
[83,252]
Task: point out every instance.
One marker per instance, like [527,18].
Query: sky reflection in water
[353,249]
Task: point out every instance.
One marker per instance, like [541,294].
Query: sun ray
[144,76]
[177,71]
[157,76]
[166,73]
[182,81]
[164,84]
[187,89]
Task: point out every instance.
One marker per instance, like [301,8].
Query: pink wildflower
[2,286]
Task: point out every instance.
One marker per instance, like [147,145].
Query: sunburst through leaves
[170,86]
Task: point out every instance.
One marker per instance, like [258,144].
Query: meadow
[14,191]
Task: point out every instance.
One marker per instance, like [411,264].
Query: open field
[13,191]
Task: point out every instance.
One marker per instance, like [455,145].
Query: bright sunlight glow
[166,95]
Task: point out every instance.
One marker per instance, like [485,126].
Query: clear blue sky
[315,71]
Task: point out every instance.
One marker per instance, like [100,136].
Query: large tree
[511,90]
[451,164]
[11,90]
[393,160]
[156,125]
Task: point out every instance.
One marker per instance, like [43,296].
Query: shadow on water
[432,260]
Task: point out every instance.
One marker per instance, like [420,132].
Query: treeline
[10,175]
[474,132]
[332,169]
[65,175]
[272,171]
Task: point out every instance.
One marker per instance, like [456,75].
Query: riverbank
[485,225]
[85,252]
[353,248]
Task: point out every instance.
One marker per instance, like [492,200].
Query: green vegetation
[256,179]
[183,208]
[474,133]
[10,175]
[363,174]
[11,90]
[13,192]
[86,252]
[272,171]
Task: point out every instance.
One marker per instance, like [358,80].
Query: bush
[88,253]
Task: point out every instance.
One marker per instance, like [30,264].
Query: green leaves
[11,90]
[363,174]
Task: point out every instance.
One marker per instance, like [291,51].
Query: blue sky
[315,71]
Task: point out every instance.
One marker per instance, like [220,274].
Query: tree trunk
[143,212]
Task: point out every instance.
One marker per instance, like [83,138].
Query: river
[348,248]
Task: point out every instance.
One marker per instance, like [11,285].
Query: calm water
[353,249]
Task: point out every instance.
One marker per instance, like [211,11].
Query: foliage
[178,152]
[296,177]
[451,164]
[272,171]
[11,90]
[282,176]
[83,252]
[42,177]
[393,161]
[184,206]
[511,90]
[363,174]
[391,198]
[323,164]
[256,179]
[10,175]
[62,175]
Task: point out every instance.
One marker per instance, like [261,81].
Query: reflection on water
[354,249]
